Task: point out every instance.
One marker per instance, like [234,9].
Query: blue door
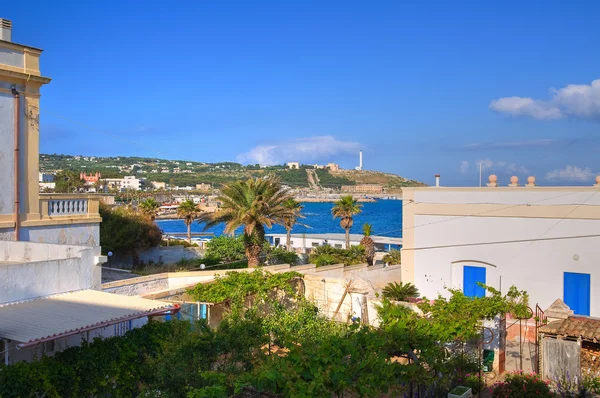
[577,292]
[472,275]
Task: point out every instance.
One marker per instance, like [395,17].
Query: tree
[188,211]
[345,209]
[367,243]
[253,204]
[149,208]
[400,291]
[289,221]
[68,182]
[393,257]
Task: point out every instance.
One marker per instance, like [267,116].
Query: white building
[125,183]
[293,165]
[49,244]
[544,240]
[308,241]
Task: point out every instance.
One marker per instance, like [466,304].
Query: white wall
[536,267]
[29,270]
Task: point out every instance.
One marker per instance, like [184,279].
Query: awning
[49,318]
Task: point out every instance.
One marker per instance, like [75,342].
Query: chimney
[437,180]
[5,29]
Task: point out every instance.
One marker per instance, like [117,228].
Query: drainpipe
[16,158]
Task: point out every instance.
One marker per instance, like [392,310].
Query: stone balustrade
[69,205]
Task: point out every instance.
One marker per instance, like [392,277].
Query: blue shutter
[472,275]
[577,292]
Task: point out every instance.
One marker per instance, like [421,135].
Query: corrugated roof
[53,316]
[574,326]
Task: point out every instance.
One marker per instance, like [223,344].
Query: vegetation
[216,174]
[278,346]
[67,181]
[327,255]
[236,287]
[328,180]
[278,255]
[522,385]
[291,219]
[393,257]
[226,248]
[149,208]
[188,211]
[253,204]
[400,291]
[345,209]
[368,244]
[124,230]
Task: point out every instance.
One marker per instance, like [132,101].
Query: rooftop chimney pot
[5,29]
[437,180]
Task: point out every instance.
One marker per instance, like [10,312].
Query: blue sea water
[385,215]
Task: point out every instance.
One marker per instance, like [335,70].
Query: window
[577,292]
[315,244]
[338,245]
[471,277]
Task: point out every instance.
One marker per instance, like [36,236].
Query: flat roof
[20,45]
[342,237]
[48,318]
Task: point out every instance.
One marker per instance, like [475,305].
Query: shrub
[178,242]
[393,257]
[226,248]
[278,255]
[583,386]
[124,230]
[327,255]
[400,291]
[522,385]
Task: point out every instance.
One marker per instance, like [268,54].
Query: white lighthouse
[360,166]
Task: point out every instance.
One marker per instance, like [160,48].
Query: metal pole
[479,174]
[521,344]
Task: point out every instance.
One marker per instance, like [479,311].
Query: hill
[189,173]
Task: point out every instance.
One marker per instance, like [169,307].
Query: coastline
[331,200]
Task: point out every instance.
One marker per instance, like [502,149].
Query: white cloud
[309,149]
[464,166]
[542,142]
[500,166]
[570,173]
[573,100]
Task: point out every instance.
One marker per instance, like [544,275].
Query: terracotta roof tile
[574,326]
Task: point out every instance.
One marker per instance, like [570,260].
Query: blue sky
[421,87]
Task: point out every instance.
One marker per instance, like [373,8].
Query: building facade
[123,184]
[544,240]
[363,188]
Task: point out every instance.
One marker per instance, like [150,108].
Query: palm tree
[253,204]
[345,208]
[367,243]
[149,208]
[188,211]
[289,221]
[399,291]
[393,257]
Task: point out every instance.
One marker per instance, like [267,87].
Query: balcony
[57,209]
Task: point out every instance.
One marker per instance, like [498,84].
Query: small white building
[308,241]
[544,240]
[293,165]
[125,183]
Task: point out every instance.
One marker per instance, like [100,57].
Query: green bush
[522,385]
[125,231]
[328,255]
[278,255]
[178,242]
[226,248]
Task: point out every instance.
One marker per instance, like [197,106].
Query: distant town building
[44,177]
[203,187]
[333,166]
[159,185]
[319,166]
[122,184]
[363,188]
[90,179]
[293,165]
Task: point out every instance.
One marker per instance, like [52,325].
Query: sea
[384,215]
